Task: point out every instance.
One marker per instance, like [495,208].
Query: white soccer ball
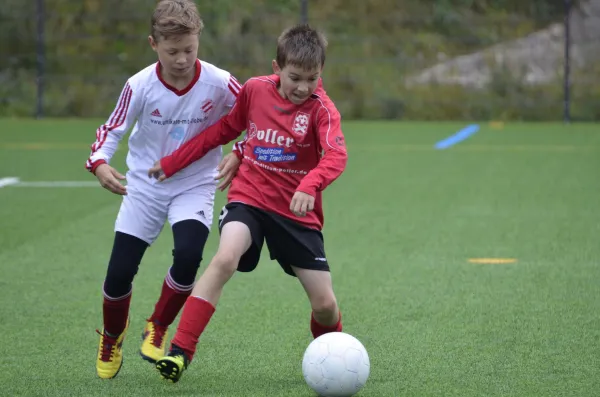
[336,365]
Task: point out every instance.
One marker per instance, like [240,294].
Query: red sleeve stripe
[116,120]
[234,86]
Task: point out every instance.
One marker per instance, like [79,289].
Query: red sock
[172,298]
[320,329]
[196,315]
[115,311]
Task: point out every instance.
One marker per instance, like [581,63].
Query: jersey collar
[189,86]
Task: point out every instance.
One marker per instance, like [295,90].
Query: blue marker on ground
[458,137]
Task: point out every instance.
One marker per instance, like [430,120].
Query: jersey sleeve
[109,134]
[334,159]
[222,132]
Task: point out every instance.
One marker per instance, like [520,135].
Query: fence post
[567,63]
[41,58]
[304,11]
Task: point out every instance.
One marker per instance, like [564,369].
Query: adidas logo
[156,113]
[201,213]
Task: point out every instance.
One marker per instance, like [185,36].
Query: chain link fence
[72,58]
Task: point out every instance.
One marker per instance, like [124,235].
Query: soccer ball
[336,365]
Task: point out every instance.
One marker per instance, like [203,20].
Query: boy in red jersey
[294,149]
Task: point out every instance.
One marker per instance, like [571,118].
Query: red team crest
[300,126]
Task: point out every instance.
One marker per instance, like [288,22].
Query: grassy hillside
[92,46]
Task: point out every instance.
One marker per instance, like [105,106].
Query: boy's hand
[227,170]
[109,179]
[302,203]
[157,172]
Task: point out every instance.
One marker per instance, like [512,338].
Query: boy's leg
[235,240]
[301,252]
[190,214]
[138,224]
[123,265]
[189,240]
[239,245]
[326,316]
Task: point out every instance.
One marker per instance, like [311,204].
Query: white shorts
[143,216]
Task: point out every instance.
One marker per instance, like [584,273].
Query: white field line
[8,181]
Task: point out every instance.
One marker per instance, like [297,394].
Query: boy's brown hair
[301,46]
[174,18]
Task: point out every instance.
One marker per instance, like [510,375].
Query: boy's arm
[335,157]
[222,132]
[110,133]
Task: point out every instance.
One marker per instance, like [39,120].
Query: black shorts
[290,243]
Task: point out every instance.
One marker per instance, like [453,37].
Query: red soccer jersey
[288,148]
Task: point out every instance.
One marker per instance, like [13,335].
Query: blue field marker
[458,137]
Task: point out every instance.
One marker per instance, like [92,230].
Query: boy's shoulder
[214,75]
[262,82]
[323,104]
[144,77]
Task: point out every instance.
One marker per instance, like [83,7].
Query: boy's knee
[324,304]
[188,255]
[186,261]
[118,281]
[190,237]
[226,262]
[123,265]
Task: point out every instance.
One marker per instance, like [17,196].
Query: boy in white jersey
[171,100]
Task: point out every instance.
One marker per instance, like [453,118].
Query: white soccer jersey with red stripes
[163,118]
